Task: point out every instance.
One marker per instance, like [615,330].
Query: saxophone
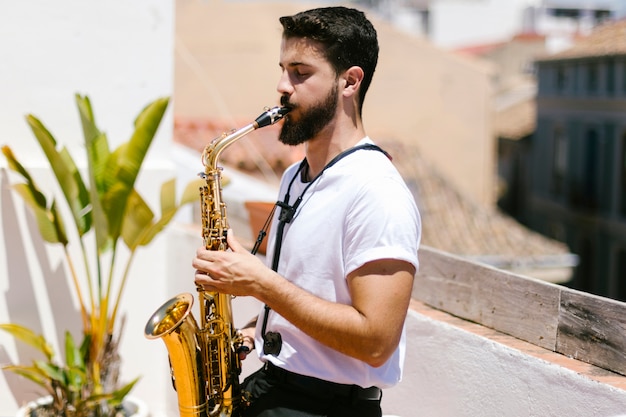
[204,360]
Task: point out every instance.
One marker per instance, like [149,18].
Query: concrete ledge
[457,368]
[584,369]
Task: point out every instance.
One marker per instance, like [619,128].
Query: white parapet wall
[456,368]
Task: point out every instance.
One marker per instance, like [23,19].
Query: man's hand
[235,272]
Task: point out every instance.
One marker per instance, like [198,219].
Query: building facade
[577,164]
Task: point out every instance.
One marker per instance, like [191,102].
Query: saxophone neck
[212,151]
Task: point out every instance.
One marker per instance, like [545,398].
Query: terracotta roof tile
[455,224]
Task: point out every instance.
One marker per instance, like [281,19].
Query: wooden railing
[579,325]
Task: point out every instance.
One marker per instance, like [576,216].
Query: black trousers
[279,393]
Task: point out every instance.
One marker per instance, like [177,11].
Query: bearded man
[342,249]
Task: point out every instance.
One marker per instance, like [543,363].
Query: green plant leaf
[125,162]
[29,337]
[97,148]
[76,378]
[66,173]
[140,229]
[192,191]
[118,395]
[49,222]
[84,348]
[114,398]
[137,220]
[169,208]
[73,357]
[38,197]
[29,372]
[52,371]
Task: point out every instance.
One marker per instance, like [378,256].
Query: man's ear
[352,80]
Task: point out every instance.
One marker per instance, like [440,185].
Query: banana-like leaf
[88,122]
[73,357]
[85,346]
[125,162]
[169,207]
[139,228]
[29,337]
[118,395]
[192,191]
[97,148]
[29,372]
[76,378]
[66,173]
[76,373]
[49,222]
[139,217]
[52,371]
[114,398]
[38,197]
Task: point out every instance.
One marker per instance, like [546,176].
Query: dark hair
[349,38]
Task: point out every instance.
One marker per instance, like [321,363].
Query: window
[623,74]
[622,176]
[561,79]
[590,179]
[593,77]
[600,16]
[583,190]
[563,12]
[610,77]
[559,161]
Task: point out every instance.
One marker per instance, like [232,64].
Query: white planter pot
[134,406]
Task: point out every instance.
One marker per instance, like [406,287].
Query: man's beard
[311,122]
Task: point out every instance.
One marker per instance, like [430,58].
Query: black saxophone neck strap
[288,212]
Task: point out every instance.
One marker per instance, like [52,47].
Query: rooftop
[607,39]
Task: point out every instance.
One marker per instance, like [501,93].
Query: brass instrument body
[204,359]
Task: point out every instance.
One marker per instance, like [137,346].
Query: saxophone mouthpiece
[271,116]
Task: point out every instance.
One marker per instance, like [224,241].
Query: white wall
[458,23]
[119,53]
[451,372]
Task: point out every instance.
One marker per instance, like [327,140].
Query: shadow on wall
[23,288]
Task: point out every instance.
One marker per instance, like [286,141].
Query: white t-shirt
[357,211]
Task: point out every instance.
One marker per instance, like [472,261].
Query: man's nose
[284,86]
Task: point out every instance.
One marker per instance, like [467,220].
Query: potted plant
[106,212]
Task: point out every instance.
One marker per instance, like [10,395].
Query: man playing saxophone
[342,249]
